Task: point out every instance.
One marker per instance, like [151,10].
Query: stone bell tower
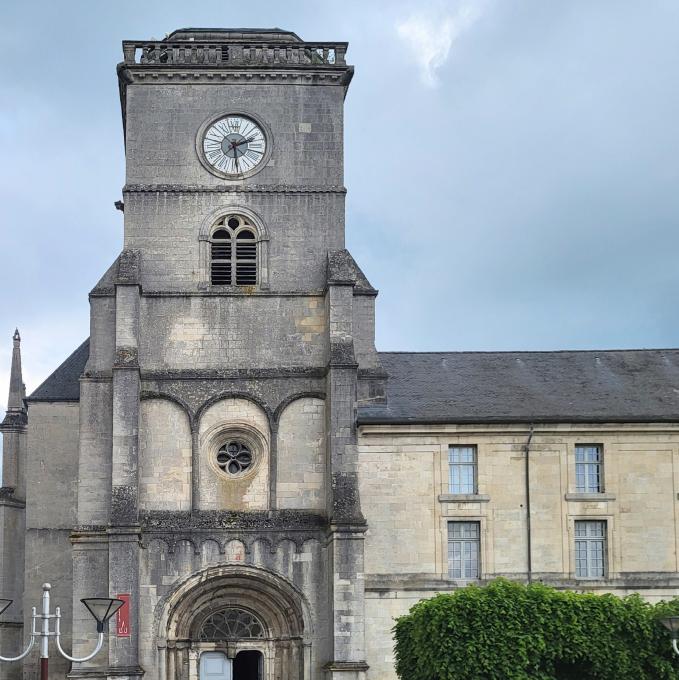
[231,343]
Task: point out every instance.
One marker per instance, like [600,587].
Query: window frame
[587,466]
[235,262]
[208,226]
[464,540]
[588,541]
[474,465]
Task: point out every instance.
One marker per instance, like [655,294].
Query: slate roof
[478,387]
[64,383]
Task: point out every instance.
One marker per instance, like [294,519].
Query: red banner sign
[123,616]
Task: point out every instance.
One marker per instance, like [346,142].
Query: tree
[509,631]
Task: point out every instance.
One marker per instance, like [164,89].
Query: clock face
[234,145]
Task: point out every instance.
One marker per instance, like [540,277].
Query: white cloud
[430,35]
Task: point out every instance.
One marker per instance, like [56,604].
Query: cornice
[198,73]
[14,421]
[378,427]
[234,374]
[8,498]
[258,520]
[233,188]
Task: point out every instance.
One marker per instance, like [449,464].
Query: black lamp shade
[4,604]
[102,608]
[672,624]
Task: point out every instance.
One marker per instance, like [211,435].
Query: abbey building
[230,454]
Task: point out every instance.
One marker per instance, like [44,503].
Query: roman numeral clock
[234,145]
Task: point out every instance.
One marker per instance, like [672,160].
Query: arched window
[230,624]
[233,252]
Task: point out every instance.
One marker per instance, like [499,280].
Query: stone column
[190,659]
[171,653]
[195,469]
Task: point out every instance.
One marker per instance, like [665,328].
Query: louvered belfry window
[233,252]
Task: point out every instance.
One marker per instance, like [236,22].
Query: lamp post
[672,624]
[101,608]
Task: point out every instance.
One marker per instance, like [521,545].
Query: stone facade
[336,519]
[406,543]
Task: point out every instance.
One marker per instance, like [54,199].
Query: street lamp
[101,608]
[672,624]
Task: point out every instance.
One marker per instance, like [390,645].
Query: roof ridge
[536,351]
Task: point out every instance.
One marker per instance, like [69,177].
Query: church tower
[231,343]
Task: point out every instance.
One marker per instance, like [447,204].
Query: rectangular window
[590,549]
[462,469]
[589,468]
[464,550]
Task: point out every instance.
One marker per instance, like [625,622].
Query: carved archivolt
[279,607]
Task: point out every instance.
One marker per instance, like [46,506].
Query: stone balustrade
[224,54]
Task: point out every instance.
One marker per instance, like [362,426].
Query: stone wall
[306,124]
[51,483]
[164,456]
[192,333]
[406,501]
[300,228]
[300,476]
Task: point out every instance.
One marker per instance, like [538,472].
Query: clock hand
[243,141]
[233,146]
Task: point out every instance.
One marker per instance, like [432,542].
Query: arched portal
[257,622]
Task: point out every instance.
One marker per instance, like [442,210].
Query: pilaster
[90,579]
[347,524]
[124,531]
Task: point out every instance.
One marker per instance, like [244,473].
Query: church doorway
[215,666]
[248,665]
[236,623]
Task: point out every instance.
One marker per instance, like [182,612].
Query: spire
[17,389]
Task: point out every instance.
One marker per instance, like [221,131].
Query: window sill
[589,497]
[464,498]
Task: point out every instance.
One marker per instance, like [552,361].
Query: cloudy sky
[512,165]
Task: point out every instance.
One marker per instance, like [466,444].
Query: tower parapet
[217,48]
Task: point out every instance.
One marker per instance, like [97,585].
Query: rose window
[234,457]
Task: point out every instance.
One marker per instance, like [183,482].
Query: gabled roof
[505,387]
[494,387]
[64,383]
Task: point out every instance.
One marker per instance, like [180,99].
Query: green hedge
[509,631]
